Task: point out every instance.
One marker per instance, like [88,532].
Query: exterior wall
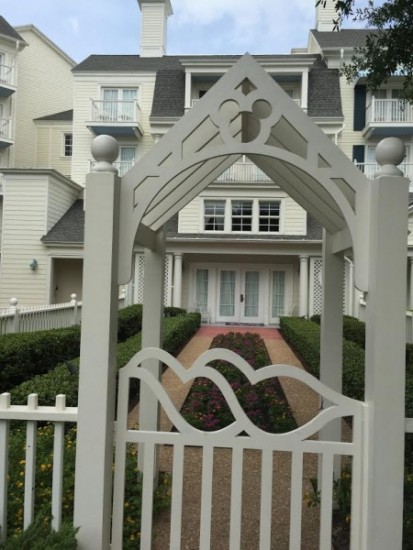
[45,86]
[153,34]
[32,205]
[294,218]
[49,149]
[348,137]
[90,86]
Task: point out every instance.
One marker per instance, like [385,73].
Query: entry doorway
[250,295]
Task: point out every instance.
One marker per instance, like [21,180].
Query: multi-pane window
[214,215]
[241,216]
[269,216]
[68,145]
[119,104]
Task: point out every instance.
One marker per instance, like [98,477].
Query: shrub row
[304,337]
[64,378]
[353,329]
[25,355]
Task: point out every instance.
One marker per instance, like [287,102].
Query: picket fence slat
[206,497]
[147,497]
[326,512]
[266,499]
[57,479]
[4,470]
[30,468]
[236,498]
[296,499]
[177,490]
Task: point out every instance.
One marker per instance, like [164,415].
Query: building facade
[242,251]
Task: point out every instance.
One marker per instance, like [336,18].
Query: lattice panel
[317,290]
[139,279]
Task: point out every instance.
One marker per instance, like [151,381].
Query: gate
[240,436]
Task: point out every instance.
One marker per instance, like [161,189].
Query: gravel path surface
[304,405]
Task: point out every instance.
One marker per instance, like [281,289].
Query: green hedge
[353,329]
[25,355]
[304,337]
[64,378]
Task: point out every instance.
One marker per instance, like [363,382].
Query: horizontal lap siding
[189,217]
[24,223]
[50,148]
[89,87]
[45,86]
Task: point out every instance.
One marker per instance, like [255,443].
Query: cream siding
[153,35]
[45,86]
[87,88]
[23,227]
[50,147]
[1,222]
[33,203]
[293,217]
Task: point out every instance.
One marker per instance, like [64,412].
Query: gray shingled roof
[169,95]
[324,97]
[7,30]
[70,230]
[127,63]
[63,115]
[346,38]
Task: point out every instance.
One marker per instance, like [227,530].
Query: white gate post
[331,332]
[385,353]
[152,317]
[94,456]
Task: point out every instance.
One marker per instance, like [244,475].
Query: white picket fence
[297,443]
[45,317]
[32,414]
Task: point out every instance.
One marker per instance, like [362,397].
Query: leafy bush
[64,378]
[304,338]
[22,356]
[28,354]
[264,403]
[38,536]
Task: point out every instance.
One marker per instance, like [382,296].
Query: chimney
[325,16]
[155,15]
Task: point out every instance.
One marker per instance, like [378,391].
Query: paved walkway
[304,404]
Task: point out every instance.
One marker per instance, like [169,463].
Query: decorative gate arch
[247,113]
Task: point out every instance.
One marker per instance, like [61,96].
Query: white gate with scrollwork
[241,435]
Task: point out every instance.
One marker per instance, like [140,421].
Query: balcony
[7,81]
[123,166]
[116,118]
[389,117]
[243,172]
[370,169]
[5,133]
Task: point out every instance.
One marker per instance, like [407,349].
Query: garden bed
[264,403]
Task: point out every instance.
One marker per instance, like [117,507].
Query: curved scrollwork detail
[340,406]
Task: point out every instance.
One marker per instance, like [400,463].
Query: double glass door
[240,296]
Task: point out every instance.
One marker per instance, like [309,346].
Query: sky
[84,27]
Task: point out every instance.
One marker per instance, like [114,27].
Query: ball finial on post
[105,151]
[390,152]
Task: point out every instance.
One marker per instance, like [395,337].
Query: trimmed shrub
[353,329]
[25,355]
[64,378]
[129,322]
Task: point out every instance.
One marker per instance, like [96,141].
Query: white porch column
[303,306]
[188,90]
[152,317]
[331,332]
[304,91]
[94,455]
[385,352]
[177,294]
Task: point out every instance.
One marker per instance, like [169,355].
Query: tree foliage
[388,49]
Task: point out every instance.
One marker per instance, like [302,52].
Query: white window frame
[65,145]
[255,215]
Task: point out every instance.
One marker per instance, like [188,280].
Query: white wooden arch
[246,112]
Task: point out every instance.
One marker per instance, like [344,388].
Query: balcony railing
[6,75]
[116,112]
[5,128]
[370,169]
[123,166]
[243,172]
[390,111]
